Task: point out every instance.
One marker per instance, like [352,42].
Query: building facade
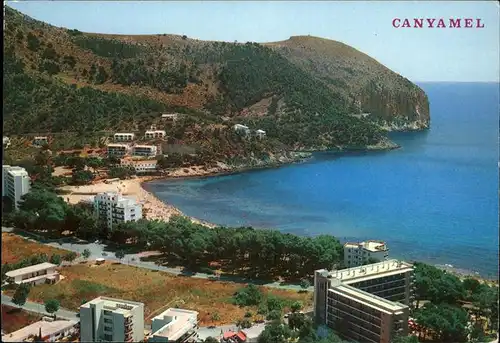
[356,254]
[35,275]
[111,320]
[174,325]
[16,183]
[368,303]
[140,166]
[151,134]
[123,137]
[113,208]
[117,150]
[145,150]
[51,330]
[39,141]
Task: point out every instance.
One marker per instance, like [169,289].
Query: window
[108,337]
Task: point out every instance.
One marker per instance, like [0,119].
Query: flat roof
[48,328]
[368,299]
[112,304]
[369,271]
[144,146]
[155,131]
[117,145]
[31,269]
[185,320]
[17,172]
[124,133]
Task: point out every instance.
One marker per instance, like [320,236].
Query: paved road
[97,250]
[40,308]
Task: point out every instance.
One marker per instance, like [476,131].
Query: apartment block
[51,331]
[113,208]
[241,128]
[140,166]
[16,182]
[39,141]
[366,304]
[169,117]
[123,137]
[35,275]
[174,325]
[111,320]
[118,150]
[145,150]
[355,254]
[151,134]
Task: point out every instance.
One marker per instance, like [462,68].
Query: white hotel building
[111,320]
[355,254]
[16,183]
[174,325]
[113,208]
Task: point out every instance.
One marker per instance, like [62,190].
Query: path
[40,308]
[97,250]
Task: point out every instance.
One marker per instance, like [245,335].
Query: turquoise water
[434,200]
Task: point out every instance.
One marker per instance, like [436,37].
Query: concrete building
[174,325]
[113,208]
[169,117]
[16,182]
[151,134]
[51,330]
[368,303]
[111,320]
[39,141]
[35,275]
[260,133]
[123,137]
[140,166]
[355,254]
[241,128]
[118,150]
[6,142]
[145,150]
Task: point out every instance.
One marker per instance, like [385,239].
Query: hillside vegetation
[303,92]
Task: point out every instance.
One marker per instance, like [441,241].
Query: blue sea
[433,200]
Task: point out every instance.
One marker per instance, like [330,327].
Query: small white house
[169,117]
[150,134]
[260,133]
[6,142]
[241,128]
[36,274]
[51,330]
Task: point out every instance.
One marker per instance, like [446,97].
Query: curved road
[97,250]
[40,308]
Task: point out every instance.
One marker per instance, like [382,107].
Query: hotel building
[174,325]
[366,304]
[35,275]
[145,150]
[355,254]
[123,137]
[16,183]
[111,320]
[140,166]
[150,134]
[118,150]
[113,208]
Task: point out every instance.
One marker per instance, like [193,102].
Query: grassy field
[14,319]
[15,248]
[157,290]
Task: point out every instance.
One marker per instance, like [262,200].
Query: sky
[422,55]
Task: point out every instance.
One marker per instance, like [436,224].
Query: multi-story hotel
[16,183]
[174,325]
[150,134]
[356,254]
[111,320]
[124,137]
[140,166]
[366,304]
[145,150]
[118,150]
[113,208]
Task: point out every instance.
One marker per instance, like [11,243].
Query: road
[97,250]
[40,308]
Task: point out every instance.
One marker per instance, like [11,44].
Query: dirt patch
[14,319]
[15,248]
[155,289]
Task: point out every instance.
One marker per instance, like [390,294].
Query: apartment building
[241,128]
[355,254]
[140,166]
[118,150]
[111,320]
[145,150]
[174,325]
[35,275]
[16,182]
[39,141]
[169,117]
[367,303]
[260,134]
[151,134]
[113,208]
[123,137]
[6,142]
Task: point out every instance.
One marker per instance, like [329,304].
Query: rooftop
[368,299]
[18,172]
[115,305]
[31,269]
[124,133]
[48,328]
[371,245]
[144,146]
[121,145]
[366,272]
[181,321]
